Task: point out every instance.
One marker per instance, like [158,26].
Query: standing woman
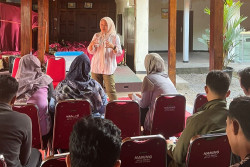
[105,46]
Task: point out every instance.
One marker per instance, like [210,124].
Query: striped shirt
[105,64]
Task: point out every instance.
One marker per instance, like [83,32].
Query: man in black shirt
[15,129]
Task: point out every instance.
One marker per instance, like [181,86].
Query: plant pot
[229,71]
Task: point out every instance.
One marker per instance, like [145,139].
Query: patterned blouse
[244,163]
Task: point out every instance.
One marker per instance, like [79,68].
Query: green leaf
[231,29]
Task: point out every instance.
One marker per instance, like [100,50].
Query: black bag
[11,62]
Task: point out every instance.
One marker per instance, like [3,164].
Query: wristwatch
[114,47]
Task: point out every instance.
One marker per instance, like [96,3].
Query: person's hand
[170,141]
[94,42]
[139,95]
[109,45]
[130,95]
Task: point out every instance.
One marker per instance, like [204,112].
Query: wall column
[172,41]
[42,28]
[186,31]
[141,33]
[216,35]
[26,27]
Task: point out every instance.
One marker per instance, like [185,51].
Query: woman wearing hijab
[35,87]
[154,84]
[79,85]
[105,46]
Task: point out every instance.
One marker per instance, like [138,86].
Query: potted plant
[231,31]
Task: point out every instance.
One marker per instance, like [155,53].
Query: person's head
[154,63]
[217,85]
[28,65]
[107,26]
[245,80]
[95,142]
[238,125]
[79,69]
[8,89]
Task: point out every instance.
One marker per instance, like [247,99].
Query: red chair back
[66,114]
[56,69]
[201,99]
[32,111]
[15,66]
[126,115]
[144,151]
[57,160]
[209,150]
[169,115]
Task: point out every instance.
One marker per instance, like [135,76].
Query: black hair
[218,82]
[239,109]
[8,88]
[245,78]
[94,142]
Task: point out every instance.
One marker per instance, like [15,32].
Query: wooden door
[179,31]
[87,25]
[67,25]
[129,37]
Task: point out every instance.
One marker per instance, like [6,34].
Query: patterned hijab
[78,84]
[79,72]
[154,63]
[30,76]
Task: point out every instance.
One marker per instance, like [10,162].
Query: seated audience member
[245,80]
[79,85]
[15,129]
[94,142]
[154,84]
[210,118]
[238,129]
[35,87]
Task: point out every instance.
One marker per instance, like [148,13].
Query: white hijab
[111,26]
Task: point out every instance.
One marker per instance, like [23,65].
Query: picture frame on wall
[88,5]
[71,5]
[164,13]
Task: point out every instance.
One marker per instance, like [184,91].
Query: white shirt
[107,64]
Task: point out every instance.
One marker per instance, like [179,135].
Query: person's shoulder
[20,120]
[97,34]
[21,116]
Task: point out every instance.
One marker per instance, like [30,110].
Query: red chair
[201,99]
[32,111]
[56,69]
[209,150]
[57,160]
[126,115]
[66,114]
[169,115]
[144,151]
[15,66]
[2,162]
